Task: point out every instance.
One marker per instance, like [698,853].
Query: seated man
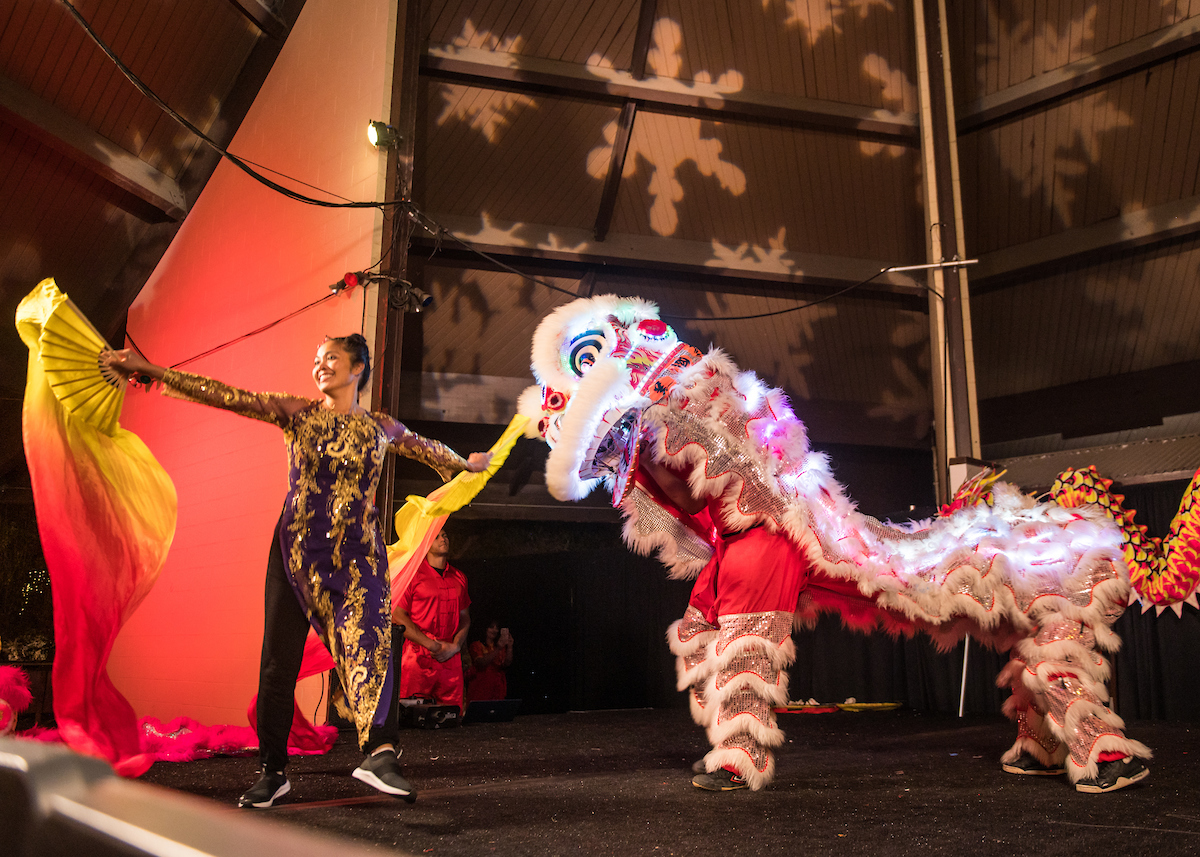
[434,612]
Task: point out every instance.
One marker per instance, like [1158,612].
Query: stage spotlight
[422,297]
[382,135]
[406,297]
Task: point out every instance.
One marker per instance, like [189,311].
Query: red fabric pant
[422,675]
[755,571]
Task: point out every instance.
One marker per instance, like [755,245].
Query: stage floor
[619,782]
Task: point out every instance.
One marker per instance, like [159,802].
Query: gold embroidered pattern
[206,391]
[434,453]
[330,533]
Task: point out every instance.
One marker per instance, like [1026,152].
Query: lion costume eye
[582,351]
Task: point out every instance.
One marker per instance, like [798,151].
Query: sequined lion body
[1041,580]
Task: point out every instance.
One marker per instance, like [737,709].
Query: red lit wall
[247,256]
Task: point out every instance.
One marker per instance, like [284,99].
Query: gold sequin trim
[746,701]
[692,623]
[433,453]
[748,661]
[774,627]
[759,755]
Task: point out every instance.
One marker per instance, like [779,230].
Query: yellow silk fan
[70,348]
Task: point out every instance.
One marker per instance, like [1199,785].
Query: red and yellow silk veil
[106,515]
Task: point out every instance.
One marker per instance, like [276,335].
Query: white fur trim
[734,757]
[585,411]
[529,404]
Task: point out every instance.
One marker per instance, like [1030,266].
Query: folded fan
[70,347]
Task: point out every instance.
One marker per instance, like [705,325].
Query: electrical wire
[821,300]
[424,221]
[420,218]
[238,162]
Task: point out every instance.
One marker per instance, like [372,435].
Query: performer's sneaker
[382,771]
[271,786]
[1114,775]
[1030,765]
[720,780]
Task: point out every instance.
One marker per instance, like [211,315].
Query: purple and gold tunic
[329,532]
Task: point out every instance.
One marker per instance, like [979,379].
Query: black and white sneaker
[271,786]
[720,780]
[382,771]
[1114,775]
[1029,765]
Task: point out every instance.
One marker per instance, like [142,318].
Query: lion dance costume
[779,542]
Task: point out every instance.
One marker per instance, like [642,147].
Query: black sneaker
[719,780]
[1029,764]
[271,786]
[1114,775]
[382,771]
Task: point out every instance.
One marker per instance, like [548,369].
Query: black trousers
[285,628]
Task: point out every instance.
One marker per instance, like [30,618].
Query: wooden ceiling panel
[1128,145]
[1120,314]
[853,53]
[770,187]
[998,45]
[481,322]
[487,152]
[570,32]
[188,52]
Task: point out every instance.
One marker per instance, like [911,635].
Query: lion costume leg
[690,641]
[1059,699]
[733,647]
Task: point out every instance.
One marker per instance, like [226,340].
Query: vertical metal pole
[962,690]
[389,323]
[956,416]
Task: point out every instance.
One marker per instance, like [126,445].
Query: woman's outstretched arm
[436,454]
[274,408]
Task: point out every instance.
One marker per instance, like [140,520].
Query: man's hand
[446,652]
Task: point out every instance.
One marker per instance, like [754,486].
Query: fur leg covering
[750,653]
[1059,698]
[690,640]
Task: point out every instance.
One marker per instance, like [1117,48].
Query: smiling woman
[328,566]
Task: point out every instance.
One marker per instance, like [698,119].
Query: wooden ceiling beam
[263,17]
[1036,92]
[509,72]
[616,169]
[1136,229]
[75,140]
[572,245]
[620,149]
[647,13]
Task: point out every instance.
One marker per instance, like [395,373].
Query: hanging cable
[238,162]
[409,209]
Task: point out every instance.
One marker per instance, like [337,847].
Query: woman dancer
[328,563]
